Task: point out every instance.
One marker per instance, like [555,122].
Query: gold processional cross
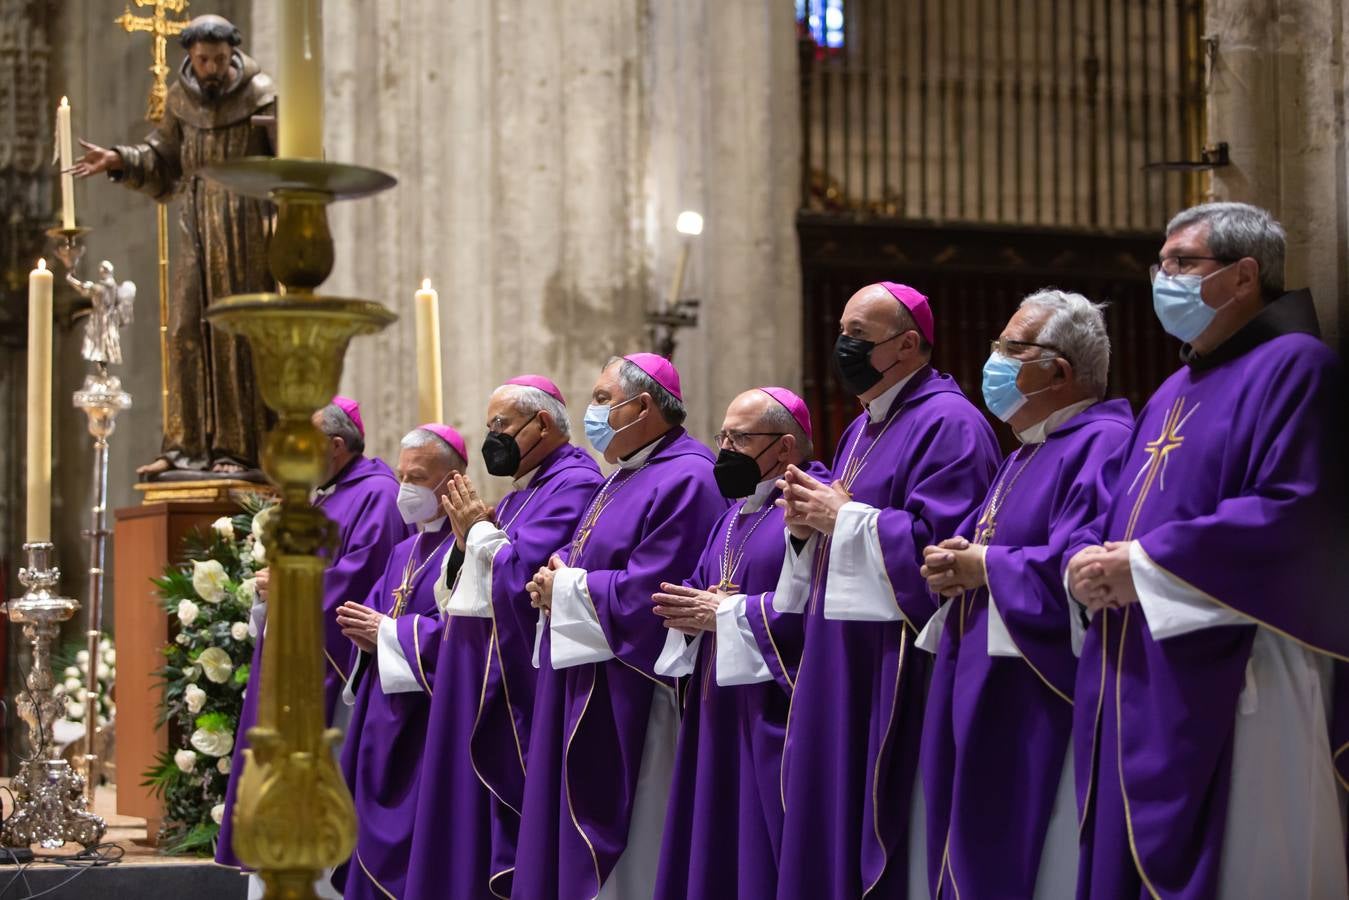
[161,27]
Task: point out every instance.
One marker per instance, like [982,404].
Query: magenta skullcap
[917,305]
[660,369]
[794,405]
[449,436]
[540,383]
[353,411]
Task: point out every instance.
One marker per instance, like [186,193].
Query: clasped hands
[464,507]
[954,566]
[688,610]
[540,587]
[1100,577]
[360,624]
[808,504]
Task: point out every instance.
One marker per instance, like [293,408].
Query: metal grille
[1027,112]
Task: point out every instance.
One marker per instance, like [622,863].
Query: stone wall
[543,152]
[1279,93]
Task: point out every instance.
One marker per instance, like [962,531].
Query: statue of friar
[215,416]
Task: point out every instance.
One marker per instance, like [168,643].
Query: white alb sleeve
[574,625]
[857,586]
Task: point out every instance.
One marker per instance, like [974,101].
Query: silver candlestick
[49,807]
[101,398]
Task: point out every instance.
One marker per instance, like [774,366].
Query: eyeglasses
[1010,348]
[1183,265]
[740,439]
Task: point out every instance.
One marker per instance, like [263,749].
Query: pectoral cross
[983,529]
[400,600]
[162,28]
[726,586]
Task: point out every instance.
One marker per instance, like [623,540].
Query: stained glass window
[822,20]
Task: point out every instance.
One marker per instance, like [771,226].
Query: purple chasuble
[589,727]
[363,503]
[1227,485]
[723,826]
[996,730]
[468,811]
[851,753]
[382,755]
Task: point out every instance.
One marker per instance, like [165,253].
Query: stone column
[1279,100]
[543,152]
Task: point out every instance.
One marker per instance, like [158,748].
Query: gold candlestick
[294,815]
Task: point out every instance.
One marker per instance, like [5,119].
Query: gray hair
[1076,326]
[634,381]
[777,417]
[1238,230]
[530,400]
[420,437]
[335,423]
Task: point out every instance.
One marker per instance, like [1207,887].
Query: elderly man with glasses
[1001,815]
[1213,594]
[724,822]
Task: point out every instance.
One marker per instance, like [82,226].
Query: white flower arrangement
[186,760]
[212,742]
[209,579]
[195,698]
[216,664]
[187,612]
[239,631]
[224,526]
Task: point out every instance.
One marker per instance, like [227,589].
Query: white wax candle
[67,154]
[39,403]
[299,125]
[430,400]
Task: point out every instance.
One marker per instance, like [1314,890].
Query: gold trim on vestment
[493,877]
[1334,756]
[482,696]
[1119,759]
[417,651]
[566,783]
[1096,728]
[768,629]
[880,756]
[946,867]
[988,585]
[336,667]
[382,889]
[1254,621]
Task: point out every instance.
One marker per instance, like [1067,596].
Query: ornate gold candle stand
[294,816]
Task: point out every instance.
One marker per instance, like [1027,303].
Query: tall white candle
[299,125]
[39,403]
[430,400]
[67,154]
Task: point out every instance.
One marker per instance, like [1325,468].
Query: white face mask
[417,504]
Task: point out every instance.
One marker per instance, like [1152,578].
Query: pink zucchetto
[449,436]
[916,304]
[540,383]
[660,369]
[794,405]
[353,411]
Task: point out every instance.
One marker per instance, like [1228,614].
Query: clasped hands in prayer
[464,507]
[1100,577]
[808,504]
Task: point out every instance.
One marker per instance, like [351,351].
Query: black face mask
[737,473]
[501,453]
[852,363]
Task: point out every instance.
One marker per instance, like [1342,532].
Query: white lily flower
[209,580]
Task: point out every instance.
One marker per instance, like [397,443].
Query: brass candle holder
[294,815]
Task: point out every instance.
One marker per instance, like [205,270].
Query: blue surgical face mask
[598,430]
[1179,303]
[1001,395]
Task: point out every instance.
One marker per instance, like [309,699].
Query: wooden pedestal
[146,539]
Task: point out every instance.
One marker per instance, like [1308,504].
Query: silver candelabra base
[49,804]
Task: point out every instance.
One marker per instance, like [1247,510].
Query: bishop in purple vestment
[602,741]
[360,496]
[1201,743]
[468,811]
[723,827]
[396,635]
[1001,818]
[909,470]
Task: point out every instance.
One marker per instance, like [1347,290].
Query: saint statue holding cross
[214,415]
